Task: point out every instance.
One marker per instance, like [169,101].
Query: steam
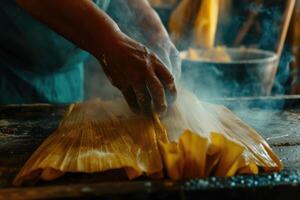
[282,79]
[208,86]
[263,35]
[97,84]
[128,20]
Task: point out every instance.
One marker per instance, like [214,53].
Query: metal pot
[249,73]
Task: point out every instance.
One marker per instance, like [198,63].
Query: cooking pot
[248,73]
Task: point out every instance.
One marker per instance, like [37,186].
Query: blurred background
[232,48]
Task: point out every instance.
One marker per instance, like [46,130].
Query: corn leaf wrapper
[207,139]
[194,140]
[200,16]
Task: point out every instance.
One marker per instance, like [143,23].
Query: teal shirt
[37,64]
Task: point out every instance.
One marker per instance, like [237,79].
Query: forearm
[139,20]
[138,73]
[82,21]
[148,19]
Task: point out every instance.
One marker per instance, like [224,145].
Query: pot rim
[269,57]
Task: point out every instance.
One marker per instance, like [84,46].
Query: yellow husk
[201,18]
[97,136]
[218,54]
[196,139]
[229,145]
[206,24]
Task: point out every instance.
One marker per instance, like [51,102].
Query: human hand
[141,76]
[167,52]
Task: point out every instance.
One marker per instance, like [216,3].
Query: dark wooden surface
[23,128]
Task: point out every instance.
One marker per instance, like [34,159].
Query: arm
[82,21]
[147,20]
[138,73]
[140,21]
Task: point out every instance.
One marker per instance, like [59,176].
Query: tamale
[214,142]
[195,139]
[97,136]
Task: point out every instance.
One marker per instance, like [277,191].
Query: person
[44,45]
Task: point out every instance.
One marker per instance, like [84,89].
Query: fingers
[157,92]
[138,98]
[143,97]
[168,81]
[131,99]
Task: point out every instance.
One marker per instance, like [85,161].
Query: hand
[168,53]
[140,21]
[141,76]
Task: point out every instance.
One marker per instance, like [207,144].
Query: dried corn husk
[196,139]
[199,16]
[207,139]
[97,136]
[206,23]
[218,54]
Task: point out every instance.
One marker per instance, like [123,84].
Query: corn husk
[218,54]
[195,139]
[206,24]
[199,16]
[97,136]
[180,18]
[208,139]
